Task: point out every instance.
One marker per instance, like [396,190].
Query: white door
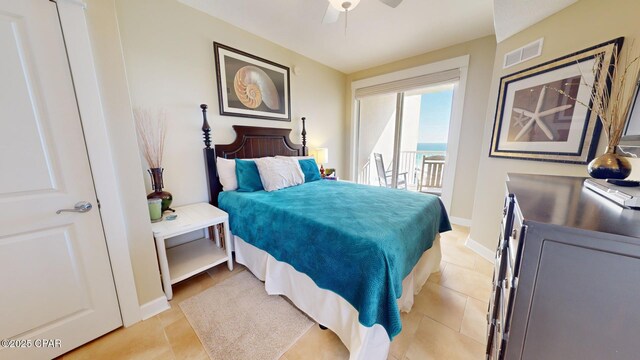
[55,275]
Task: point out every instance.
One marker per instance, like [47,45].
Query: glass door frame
[462,64]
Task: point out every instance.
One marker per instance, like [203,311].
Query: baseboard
[154,307]
[480,249]
[460,221]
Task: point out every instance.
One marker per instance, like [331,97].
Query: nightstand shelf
[191,258]
[185,260]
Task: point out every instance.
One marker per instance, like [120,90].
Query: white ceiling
[513,16]
[376,33]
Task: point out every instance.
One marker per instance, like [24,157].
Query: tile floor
[447,321]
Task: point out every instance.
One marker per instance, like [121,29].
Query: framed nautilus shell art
[249,86]
[541,113]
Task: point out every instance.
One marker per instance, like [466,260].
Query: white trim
[395,166]
[409,85]
[480,249]
[154,307]
[439,66]
[78,44]
[460,221]
[455,125]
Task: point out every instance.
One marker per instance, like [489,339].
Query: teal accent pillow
[309,169]
[248,176]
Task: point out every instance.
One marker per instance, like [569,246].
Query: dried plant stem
[611,103]
[151,133]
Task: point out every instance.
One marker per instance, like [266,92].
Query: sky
[435,112]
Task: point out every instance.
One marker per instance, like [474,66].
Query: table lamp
[322,157]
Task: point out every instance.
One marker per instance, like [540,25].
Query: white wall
[581,25]
[168,51]
[377,118]
[107,51]
[410,122]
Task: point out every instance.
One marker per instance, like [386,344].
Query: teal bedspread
[358,241]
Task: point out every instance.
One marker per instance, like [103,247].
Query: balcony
[410,162]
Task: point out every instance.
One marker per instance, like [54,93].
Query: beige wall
[107,53]
[481,54]
[586,23]
[168,51]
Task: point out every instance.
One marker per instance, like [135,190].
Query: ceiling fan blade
[392,3]
[331,15]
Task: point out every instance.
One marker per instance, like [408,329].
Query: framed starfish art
[535,121]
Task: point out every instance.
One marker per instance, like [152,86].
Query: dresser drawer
[498,311]
[495,322]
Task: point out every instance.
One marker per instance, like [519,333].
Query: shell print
[253,86]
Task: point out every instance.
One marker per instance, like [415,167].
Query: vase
[157,184]
[609,166]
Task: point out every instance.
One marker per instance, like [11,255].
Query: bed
[333,248]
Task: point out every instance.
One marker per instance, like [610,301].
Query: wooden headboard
[250,142]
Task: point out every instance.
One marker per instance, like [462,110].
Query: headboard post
[305,151]
[206,129]
[210,160]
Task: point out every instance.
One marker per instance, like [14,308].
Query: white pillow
[279,172]
[227,174]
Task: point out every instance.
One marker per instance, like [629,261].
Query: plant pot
[609,166]
[157,184]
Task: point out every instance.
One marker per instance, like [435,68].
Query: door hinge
[98,202]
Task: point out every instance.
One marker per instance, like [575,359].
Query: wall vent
[527,52]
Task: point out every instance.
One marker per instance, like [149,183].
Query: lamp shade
[321,155]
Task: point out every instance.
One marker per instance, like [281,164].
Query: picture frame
[629,145]
[534,121]
[250,86]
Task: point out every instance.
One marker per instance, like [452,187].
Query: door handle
[81,207]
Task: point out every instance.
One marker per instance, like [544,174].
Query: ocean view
[435,148]
[432,147]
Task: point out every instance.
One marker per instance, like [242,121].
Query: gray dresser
[567,275]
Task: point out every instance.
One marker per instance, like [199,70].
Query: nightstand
[183,261]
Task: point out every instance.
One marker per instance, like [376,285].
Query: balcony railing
[410,162]
[364,177]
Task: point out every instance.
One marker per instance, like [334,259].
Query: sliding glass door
[402,137]
[376,138]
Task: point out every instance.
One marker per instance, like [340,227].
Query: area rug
[237,320]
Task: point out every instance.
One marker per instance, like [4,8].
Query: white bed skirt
[328,308]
